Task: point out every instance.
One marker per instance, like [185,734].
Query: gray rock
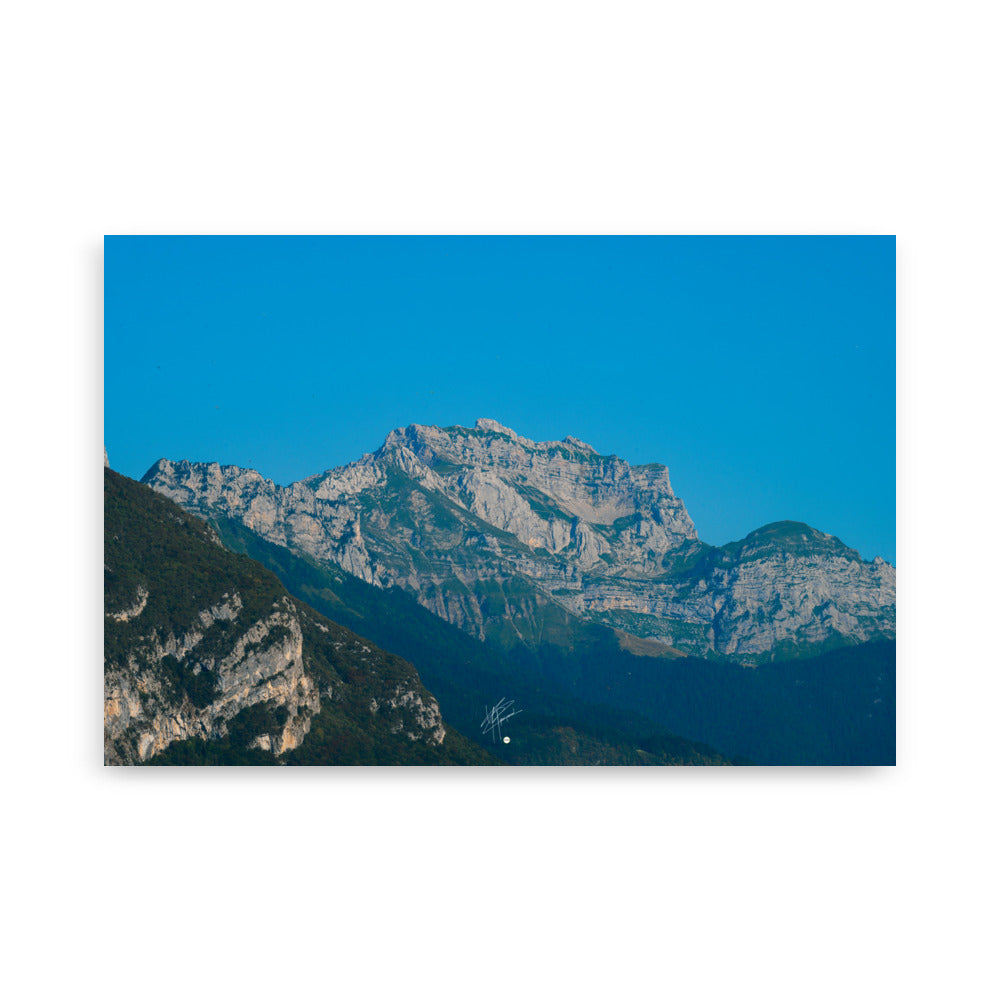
[142,714]
[501,535]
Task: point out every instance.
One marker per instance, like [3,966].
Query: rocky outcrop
[144,712]
[501,535]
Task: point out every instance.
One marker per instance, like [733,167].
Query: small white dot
[506,739]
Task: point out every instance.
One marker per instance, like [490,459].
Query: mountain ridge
[556,533]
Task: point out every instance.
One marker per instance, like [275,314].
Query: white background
[716,117]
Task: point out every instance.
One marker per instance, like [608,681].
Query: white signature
[496,716]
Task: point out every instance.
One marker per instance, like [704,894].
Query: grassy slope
[837,707]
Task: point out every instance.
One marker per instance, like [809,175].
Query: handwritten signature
[495,718]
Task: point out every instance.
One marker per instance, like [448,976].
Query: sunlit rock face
[143,713]
[515,539]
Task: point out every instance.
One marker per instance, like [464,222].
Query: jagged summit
[495,427]
[484,429]
[579,445]
[485,424]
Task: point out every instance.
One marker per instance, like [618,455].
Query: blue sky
[761,370]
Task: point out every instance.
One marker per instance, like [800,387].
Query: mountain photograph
[323,545]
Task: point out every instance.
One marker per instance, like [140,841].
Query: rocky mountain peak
[456,513]
[485,424]
[494,426]
[579,445]
[536,489]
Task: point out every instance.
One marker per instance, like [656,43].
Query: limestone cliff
[516,540]
[144,710]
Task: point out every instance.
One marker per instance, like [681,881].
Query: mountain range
[516,541]
[481,569]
